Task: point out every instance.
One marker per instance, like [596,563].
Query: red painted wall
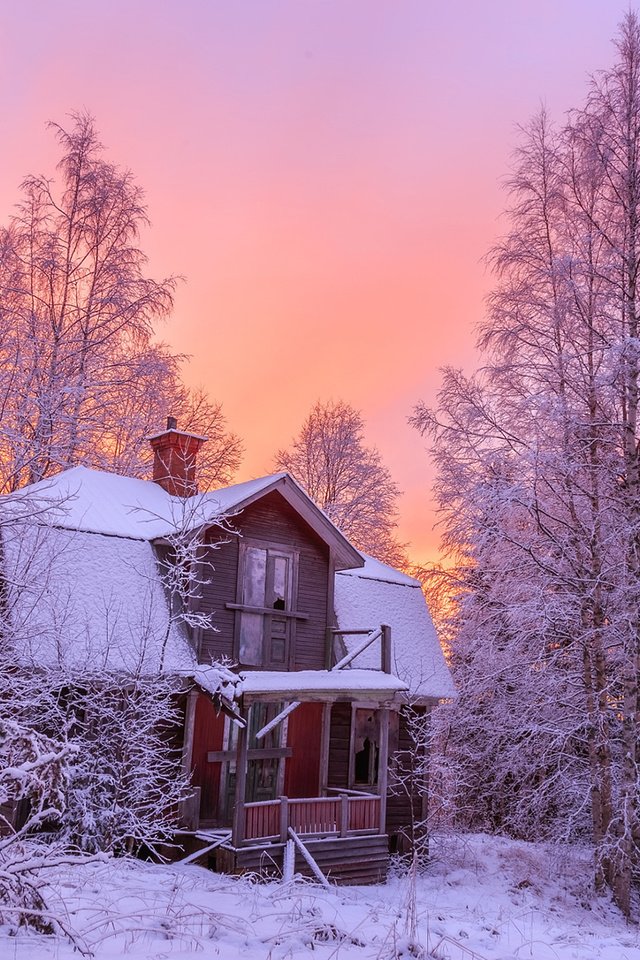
[302,772]
[207,735]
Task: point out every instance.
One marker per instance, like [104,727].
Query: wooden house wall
[208,735]
[272,520]
[302,771]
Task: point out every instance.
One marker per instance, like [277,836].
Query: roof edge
[347,556]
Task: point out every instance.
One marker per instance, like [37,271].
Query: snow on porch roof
[307,684]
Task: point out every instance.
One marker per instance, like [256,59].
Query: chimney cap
[172,428]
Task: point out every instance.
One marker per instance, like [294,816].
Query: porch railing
[316,816]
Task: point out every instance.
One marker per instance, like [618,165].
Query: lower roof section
[319,685]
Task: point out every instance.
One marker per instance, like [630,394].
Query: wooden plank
[255,753]
[383,766]
[346,660]
[344,815]
[313,866]
[189,725]
[284,713]
[241,786]
[245,608]
[193,857]
[324,748]
[284,818]
[385,648]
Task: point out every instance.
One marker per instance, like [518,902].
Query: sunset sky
[325,174]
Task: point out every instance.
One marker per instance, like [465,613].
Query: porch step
[343,860]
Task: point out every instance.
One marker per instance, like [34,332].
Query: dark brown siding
[270,519]
[207,735]
[344,860]
[220,575]
[339,745]
[302,773]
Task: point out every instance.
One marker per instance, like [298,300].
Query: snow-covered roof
[85,585]
[95,501]
[376,594]
[89,602]
[328,683]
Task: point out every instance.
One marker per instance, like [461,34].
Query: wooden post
[331,613]
[344,815]
[325,742]
[190,806]
[284,818]
[239,813]
[328,648]
[385,649]
[383,766]
[315,869]
[189,725]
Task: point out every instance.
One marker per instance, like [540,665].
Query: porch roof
[319,685]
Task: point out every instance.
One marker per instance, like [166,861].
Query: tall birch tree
[82,379]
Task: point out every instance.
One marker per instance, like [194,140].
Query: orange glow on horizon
[326,177]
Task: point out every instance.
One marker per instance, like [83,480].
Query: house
[330,649]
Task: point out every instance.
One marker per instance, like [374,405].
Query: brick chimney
[174,459]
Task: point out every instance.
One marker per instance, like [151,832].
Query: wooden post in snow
[239,813]
[284,818]
[385,649]
[315,869]
[383,766]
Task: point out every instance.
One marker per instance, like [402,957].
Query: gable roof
[94,501]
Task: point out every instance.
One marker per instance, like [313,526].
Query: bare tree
[81,380]
[346,479]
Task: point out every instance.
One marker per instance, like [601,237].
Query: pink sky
[325,174]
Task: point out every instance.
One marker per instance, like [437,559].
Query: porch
[341,816]
[304,754]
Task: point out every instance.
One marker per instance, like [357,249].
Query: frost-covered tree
[91,702]
[539,484]
[81,378]
[346,478]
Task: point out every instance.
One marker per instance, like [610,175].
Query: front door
[265,767]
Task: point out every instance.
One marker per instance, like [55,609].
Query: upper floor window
[267,595]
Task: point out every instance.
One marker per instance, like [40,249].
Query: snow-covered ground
[481,898]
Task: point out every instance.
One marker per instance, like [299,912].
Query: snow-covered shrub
[126,780]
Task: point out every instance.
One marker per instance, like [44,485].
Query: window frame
[290,614]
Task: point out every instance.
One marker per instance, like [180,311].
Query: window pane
[255,576]
[251,634]
[279,583]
